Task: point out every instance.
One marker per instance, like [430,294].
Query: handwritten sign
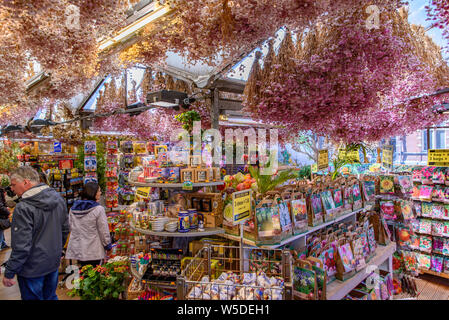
[387,157]
[241,206]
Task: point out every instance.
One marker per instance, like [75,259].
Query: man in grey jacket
[39,230]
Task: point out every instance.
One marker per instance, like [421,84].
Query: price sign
[438,158]
[350,156]
[241,206]
[323,160]
[143,192]
[387,157]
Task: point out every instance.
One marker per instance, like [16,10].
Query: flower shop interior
[245,150]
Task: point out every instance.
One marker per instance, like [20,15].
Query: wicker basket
[133,295]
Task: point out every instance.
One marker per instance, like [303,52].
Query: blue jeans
[41,288]
[2,240]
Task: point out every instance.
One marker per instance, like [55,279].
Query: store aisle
[13,292]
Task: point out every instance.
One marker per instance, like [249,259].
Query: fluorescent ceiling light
[136,26]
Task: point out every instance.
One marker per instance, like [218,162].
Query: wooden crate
[216,202]
[133,295]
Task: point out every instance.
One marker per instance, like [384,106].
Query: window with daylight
[437,139]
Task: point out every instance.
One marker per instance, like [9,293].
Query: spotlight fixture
[170,99]
[136,108]
[35,125]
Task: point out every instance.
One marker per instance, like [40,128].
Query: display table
[337,290]
[192,233]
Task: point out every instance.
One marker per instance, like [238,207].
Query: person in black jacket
[39,230]
[4,219]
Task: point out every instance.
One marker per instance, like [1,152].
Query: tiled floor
[429,288]
[13,293]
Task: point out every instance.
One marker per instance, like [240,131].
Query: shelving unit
[192,233]
[299,236]
[337,290]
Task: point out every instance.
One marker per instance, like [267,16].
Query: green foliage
[8,156]
[101,282]
[101,160]
[267,183]
[304,173]
[187,118]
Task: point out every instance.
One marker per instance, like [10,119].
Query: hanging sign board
[438,158]
[387,157]
[323,160]
[241,206]
[350,156]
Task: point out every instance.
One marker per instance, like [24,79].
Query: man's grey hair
[25,173]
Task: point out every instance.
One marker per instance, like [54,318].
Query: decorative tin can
[183,221]
[193,215]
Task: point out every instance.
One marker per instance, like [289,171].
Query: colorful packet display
[417,174]
[415,224]
[406,184]
[445,250]
[446,195]
[425,226]
[445,229]
[427,174]
[446,265]
[436,263]
[425,244]
[438,194]
[438,176]
[404,236]
[410,260]
[369,190]
[445,213]
[386,185]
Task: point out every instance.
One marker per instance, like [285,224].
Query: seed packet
[284,217]
[414,241]
[425,193]
[299,215]
[365,243]
[371,240]
[445,212]
[416,192]
[268,224]
[329,261]
[369,190]
[436,263]
[445,250]
[438,228]
[438,245]
[328,204]
[425,226]
[417,174]
[426,210]
[438,176]
[406,184]
[427,173]
[414,224]
[446,265]
[406,210]
[404,236]
[386,185]
[446,195]
[410,260]
[418,209]
[445,229]
[348,198]
[337,195]
[304,280]
[387,209]
[438,211]
[425,244]
[90,147]
[317,206]
[423,261]
[438,194]
[346,257]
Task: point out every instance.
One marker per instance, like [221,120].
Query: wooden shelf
[191,233]
[337,290]
[174,185]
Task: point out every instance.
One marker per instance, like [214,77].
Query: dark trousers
[40,288]
[94,263]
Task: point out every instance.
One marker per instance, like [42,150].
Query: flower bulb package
[386,185]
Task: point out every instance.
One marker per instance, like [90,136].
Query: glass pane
[440,139]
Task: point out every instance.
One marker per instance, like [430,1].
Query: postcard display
[125,192]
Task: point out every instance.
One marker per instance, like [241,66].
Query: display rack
[337,290]
[191,233]
[174,185]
